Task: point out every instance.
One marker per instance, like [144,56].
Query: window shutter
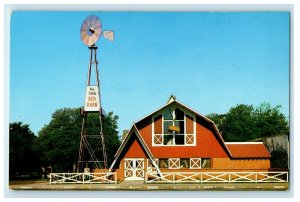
[189,125]
[158,125]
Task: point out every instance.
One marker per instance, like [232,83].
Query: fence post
[201,177]
[50,178]
[146,177]
[229,177]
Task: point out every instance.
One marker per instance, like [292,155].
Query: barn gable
[132,145]
[198,135]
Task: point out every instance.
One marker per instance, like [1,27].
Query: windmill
[92,150]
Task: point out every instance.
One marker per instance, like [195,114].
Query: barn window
[150,165]
[195,163]
[173,127]
[206,163]
[157,139]
[174,163]
[163,163]
[184,163]
[179,139]
[189,139]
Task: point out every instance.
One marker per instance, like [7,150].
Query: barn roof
[248,150]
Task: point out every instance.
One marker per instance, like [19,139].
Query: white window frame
[193,116]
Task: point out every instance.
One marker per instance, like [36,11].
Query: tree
[218,119]
[58,142]
[279,158]
[245,123]
[22,159]
[110,126]
[239,124]
[270,121]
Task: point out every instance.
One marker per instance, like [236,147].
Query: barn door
[134,169]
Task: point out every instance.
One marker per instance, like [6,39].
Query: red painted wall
[135,151]
[189,125]
[207,144]
[158,125]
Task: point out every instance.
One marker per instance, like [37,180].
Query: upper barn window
[173,127]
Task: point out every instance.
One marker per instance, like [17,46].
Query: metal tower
[92,150]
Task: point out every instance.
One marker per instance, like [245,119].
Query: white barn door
[134,169]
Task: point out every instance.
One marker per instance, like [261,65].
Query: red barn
[175,138]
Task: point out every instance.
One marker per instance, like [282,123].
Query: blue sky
[211,61]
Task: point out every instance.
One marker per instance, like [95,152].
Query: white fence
[83,178]
[215,177]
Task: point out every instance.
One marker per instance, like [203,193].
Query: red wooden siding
[145,130]
[207,144]
[189,125]
[133,149]
[158,124]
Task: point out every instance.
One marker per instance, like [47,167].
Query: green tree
[58,142]
[219,120]
[239,124]
[110,126]
[245,123]
[22,159]
[270,121]
[279,158]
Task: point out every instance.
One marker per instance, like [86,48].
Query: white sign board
[92,103]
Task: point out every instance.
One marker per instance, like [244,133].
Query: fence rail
[216,177]
[83,178]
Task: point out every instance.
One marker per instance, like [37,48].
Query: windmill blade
[90,30]
[109,35]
